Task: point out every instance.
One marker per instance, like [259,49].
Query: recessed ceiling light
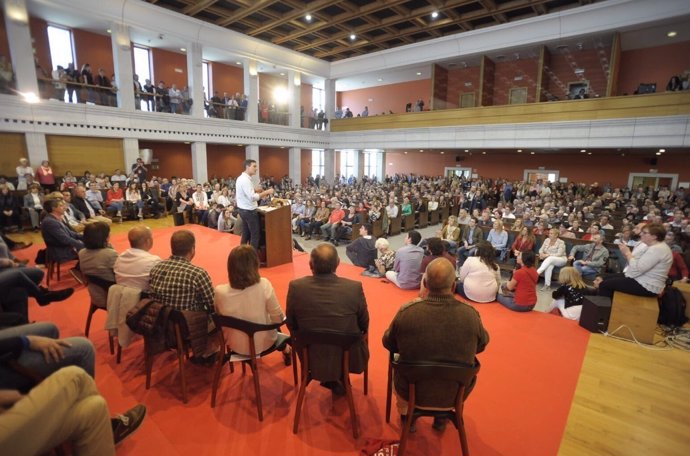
[583,150]
[519,150]
[532,153]
[238,63]
[308,17]
[442,152]
[282,74]
[421,150]
[467,150]
[380,79]
[419,73]
[662,150]
[183,49]
[658,153]
[405,152]
[483,152]
[109,31]
[353,37]
[589,153]
[671,34]
[434,15]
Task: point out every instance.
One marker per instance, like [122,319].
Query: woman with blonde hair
[552,255]
[450,233]
[498,237]
[517,225]
[569,296]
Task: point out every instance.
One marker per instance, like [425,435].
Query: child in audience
[569,296]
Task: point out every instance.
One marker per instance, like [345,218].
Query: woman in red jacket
[523,242]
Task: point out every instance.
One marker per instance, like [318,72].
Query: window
[61,49]
[318,97]
[143,68]
[371,158]
[317,162]
[348,162]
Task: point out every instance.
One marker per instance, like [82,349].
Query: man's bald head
[140,237]
[324,259]
[440,276]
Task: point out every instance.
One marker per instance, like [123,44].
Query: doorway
[653,180]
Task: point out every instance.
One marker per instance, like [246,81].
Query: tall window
[61,49]
[318,99]
[370,162]
[144,69]
[348,161]
[317,162]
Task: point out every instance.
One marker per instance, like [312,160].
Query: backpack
[672,308]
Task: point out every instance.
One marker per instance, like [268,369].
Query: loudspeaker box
[596,311]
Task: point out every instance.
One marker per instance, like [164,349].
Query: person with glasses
[647,270]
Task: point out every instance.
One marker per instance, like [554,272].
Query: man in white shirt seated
[133,266]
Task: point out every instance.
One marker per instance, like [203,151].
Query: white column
[36,147]
[251,89]
[21,47]
[356,168]
[195,78]
[295,168]
[124,69]
[252,153]
[329,109]
[199,162]
[294,88]
[130,149]
[380,165]
[329,165]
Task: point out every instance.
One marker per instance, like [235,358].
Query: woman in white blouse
[249,297]
[224,197]
[480,276]
[552,255]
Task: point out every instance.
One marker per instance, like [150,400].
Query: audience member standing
[22,171]
[45,176]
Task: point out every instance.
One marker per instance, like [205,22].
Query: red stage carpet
[519,407]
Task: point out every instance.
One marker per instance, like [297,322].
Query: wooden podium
[276,235]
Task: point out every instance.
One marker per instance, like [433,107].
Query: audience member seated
[568,297]
[115,200]
[227,220]
[177,283]
[435,328]
[201,207]
[594,256]
[249,297]
[362,251]
[324,301]
[133,200]
[82,204]
[152,200]
[97,259]
[520,292]
[552,255]
[328,229]
[184,201]
[647,271]
[39,351]
[65,407]
[61,242]
[498,238]
[95,197]
[304,221]
[436,249]
[10,216]
[471,236]
[450,234]
[33,203]
[344,229]
[320,217]
[408,260]
[133,266]
[480,276]
[523,242]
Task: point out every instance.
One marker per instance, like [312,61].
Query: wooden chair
[408,222]
[154,344]
[344,340]
[53,266]
[445,212]
[458,376]
[229,356]
[104,285]
[395,224]
[434,217]
[377,228]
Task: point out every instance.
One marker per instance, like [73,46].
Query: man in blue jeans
[247,196]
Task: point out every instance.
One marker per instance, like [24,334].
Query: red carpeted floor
[519,407]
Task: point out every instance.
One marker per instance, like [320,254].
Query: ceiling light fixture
[308,17]
[109,31]
[442,152]
[484,153]
[421,150]
[467,150]
[671,34]
[183,49]
[282,74]
[519,150]
[419,73]
[434,15]
[380,79]
[353,37]
[532,153]
[658,153]
[238,63]
[583,150]
[662,150]
[589,153]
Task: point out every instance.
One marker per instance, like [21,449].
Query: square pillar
[123,67]
[199,162]
[329,165]
[251,89]
[295,162]
[329,109]
[21,46]
[36,147]
[195,78]
[294,96]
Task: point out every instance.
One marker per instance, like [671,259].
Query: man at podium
[247,196]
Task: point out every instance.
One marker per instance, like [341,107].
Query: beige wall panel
[13,148]
[79,154]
